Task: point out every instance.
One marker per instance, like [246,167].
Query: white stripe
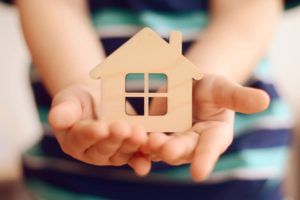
[245,174]
[267,79]
[269,123]
[261,77]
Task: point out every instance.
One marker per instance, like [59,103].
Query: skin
[227,53]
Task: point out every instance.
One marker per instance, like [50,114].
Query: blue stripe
[157,5]
[260,139]
[231,190]
[112,44]
[45,191]
[41,96]
[50,147]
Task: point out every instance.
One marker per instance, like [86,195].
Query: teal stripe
[278,110]
[162,21]
[43,114]
[110,17]
[272,158]
[291,4]
[254,159]
[262,69]
[36,151]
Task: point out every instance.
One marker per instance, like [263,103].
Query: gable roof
[139,42]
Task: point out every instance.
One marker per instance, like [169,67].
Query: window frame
[146,94]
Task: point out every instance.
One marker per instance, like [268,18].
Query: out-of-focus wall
[19,126]
[285,57]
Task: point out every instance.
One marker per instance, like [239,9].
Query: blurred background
[19,126]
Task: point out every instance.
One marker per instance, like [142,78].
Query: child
[226,39]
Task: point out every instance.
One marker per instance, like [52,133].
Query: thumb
[227,93]
[65,111]
[245,100]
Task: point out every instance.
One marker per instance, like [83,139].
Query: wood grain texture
[146,53]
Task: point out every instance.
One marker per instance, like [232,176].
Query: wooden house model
[142,59]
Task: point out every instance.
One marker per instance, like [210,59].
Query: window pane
[134,83]
[160,104]
[134,106]
[158,83]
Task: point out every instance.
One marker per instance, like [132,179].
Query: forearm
[236,37]
[62,42]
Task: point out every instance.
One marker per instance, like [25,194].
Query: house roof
[148,41]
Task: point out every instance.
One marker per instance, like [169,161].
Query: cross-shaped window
[142,89]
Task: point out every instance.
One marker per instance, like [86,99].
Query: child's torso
[252,152]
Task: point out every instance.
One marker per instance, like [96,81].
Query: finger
[81,136]
[66,110]
[84,134]
[246,100]
[141,164]
[119,132]
[212,143]
[156,141]
[145,147]
[119,159]
[100,152]
[135,141]
[129,146]
[179,149]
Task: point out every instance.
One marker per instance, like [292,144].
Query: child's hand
[83,136]
[214,101]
